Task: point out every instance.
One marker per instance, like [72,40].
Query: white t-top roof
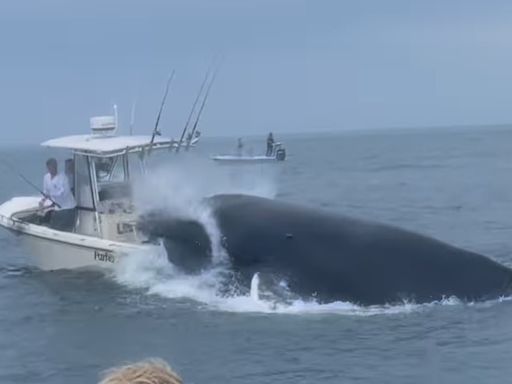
[105,144]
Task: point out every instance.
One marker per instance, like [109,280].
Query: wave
[17,270]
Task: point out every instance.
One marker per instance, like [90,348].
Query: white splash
[255,282]
[180,188]
[157,276]
[179,184]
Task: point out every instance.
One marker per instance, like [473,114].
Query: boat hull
[49,249]
[48,254]
[245,159]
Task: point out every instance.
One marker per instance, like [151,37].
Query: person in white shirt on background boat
[59,198]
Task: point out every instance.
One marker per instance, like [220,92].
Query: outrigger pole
[192,111]
[132,116]
[116,118]
[202,107]
[155,130]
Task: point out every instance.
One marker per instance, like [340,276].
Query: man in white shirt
[58,196]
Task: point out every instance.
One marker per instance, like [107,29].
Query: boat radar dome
[103,125]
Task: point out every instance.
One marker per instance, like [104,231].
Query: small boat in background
[278,153]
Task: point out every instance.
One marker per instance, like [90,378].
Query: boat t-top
[104,228]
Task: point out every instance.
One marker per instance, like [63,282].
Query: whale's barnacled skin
[331,257]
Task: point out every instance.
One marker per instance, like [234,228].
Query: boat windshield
[112,177]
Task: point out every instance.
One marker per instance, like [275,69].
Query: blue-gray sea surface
[453,184]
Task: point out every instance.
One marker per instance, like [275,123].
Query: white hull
[49,254]
[244,159]
[49,249]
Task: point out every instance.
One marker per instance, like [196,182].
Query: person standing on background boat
[239,147]
[270,144]
[57,195]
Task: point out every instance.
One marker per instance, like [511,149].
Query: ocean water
[453,184]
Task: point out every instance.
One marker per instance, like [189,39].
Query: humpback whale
[330,257]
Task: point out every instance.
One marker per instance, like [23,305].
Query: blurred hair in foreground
[151,371]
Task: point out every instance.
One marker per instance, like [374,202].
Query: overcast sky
[289,66]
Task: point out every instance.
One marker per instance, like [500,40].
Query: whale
[326,256]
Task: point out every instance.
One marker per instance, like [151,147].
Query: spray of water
[178,183]
[179,187]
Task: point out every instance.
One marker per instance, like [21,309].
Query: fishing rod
[132,116]
[38,190]
[202,107]
[192,110]
[20,175]
[155,130]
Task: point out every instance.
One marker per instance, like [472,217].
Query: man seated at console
[58,198]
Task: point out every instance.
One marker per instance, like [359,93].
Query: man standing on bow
[58,197]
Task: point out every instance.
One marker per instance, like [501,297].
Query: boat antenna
[132,116]
[192,110]
[155,130]
[20,175]
[116,118]
[202,107]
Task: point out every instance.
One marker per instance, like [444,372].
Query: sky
[288,65]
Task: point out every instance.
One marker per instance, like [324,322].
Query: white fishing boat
[104,230]
[278,154]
